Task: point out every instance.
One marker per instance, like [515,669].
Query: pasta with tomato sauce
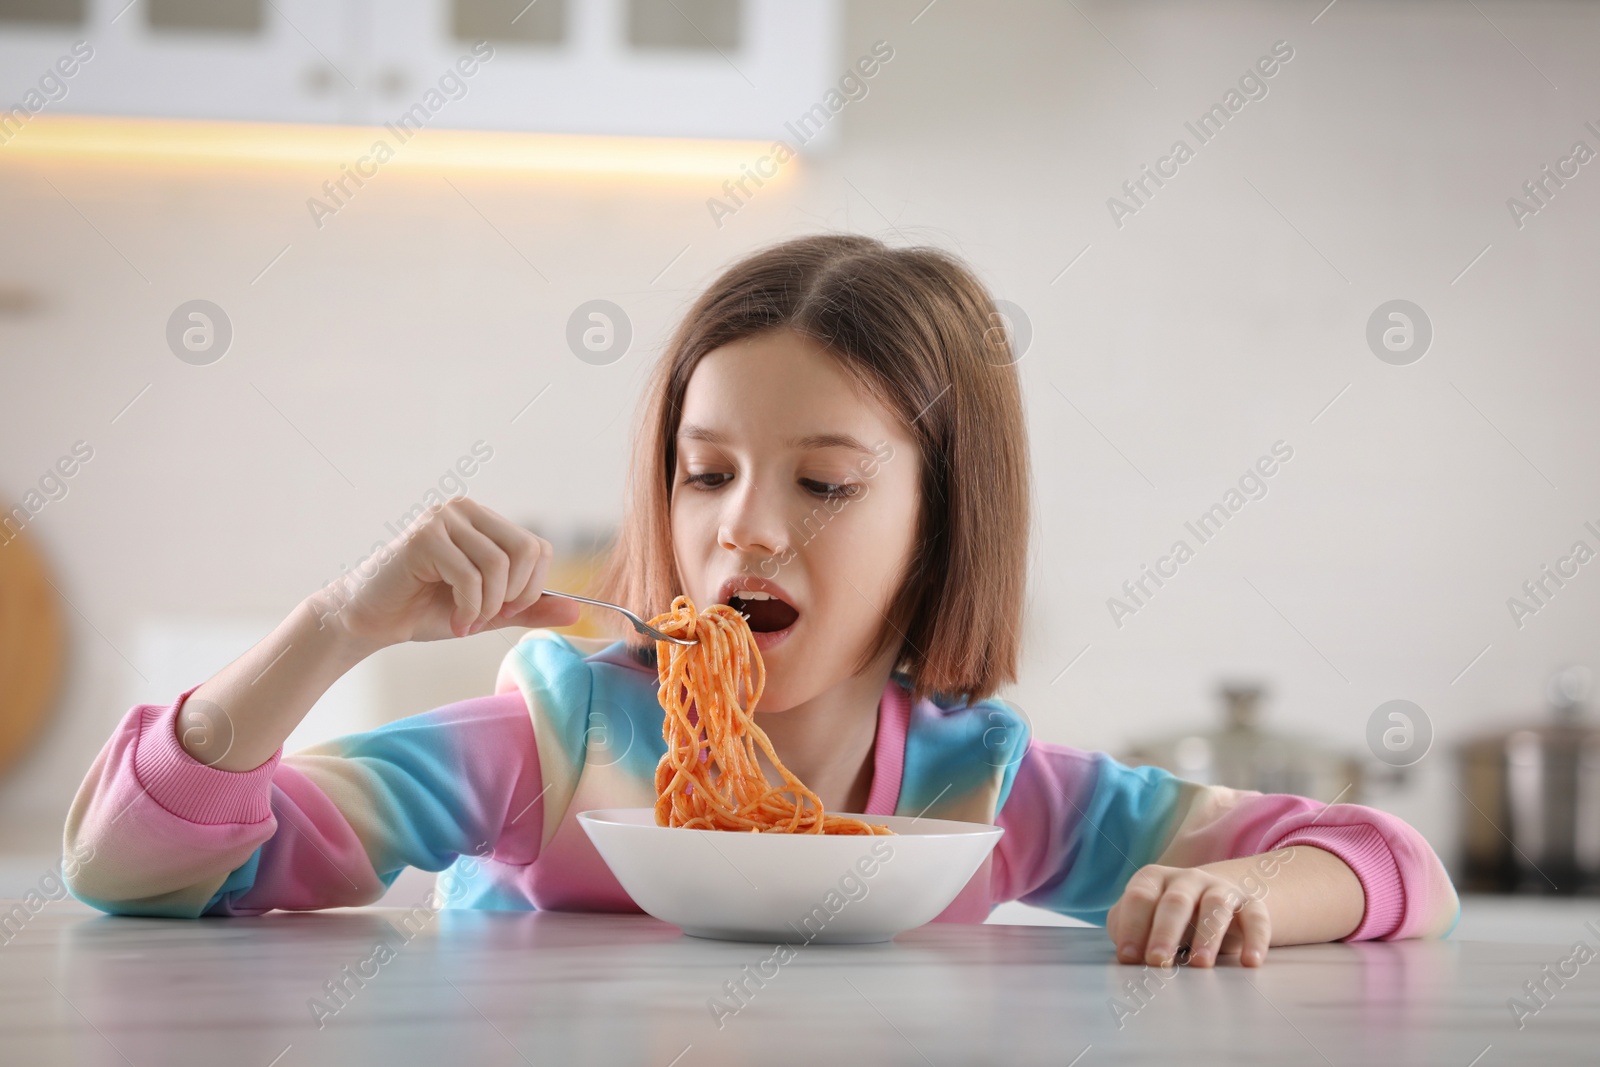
[710,778]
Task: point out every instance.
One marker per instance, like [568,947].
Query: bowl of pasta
[736,846]
[793,888]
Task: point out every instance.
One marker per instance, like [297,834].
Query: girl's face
[793,485]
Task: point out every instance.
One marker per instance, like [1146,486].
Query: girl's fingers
[529,606]
[1115,931]
[1171,920]
[490,559]
[447,563]
[1257,924]
[542,557]
[1163,909]
[530,560]
[1213,920]
[521,547]
[1135,908]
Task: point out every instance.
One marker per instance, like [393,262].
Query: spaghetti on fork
[710,777]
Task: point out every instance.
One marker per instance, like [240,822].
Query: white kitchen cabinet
[698,68]
[285,68]
[778,63]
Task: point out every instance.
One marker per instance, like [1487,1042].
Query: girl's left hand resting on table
[1294,896]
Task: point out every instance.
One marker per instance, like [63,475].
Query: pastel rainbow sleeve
[155,832]
[1079,824]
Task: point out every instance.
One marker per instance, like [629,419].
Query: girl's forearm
[242,715]
[1310,894]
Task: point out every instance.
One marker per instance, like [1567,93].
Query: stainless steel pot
[1530,800]
[1244,755]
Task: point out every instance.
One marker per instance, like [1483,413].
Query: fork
[639,624]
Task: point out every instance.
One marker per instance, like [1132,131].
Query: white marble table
[476,988]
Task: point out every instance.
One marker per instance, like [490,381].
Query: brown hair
[922,336]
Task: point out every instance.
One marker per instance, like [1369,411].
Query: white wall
[1221,318]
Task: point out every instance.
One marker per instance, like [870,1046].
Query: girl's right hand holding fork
[459,569]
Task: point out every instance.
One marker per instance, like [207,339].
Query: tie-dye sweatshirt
[487,791]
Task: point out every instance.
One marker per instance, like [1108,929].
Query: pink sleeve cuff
[190,789]
[1364,851]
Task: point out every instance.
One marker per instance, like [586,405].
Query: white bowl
[796,888]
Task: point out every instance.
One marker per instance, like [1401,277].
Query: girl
[834,444]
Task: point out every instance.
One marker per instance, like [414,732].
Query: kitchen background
[1181,318]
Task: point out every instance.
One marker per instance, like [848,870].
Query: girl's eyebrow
[701,433]
[812,441]
[829,440]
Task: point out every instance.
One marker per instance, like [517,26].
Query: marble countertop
[389,986]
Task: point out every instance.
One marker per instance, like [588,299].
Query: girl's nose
[753,523]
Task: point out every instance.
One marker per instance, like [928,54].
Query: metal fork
[638,624]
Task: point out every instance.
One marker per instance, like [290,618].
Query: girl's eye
[707,479]
[830,490]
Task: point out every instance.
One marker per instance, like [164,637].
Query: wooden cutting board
[31,645]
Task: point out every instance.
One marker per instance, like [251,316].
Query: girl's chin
[780,693]
[784,692]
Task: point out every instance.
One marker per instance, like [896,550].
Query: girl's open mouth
[765,605]
[767,614]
